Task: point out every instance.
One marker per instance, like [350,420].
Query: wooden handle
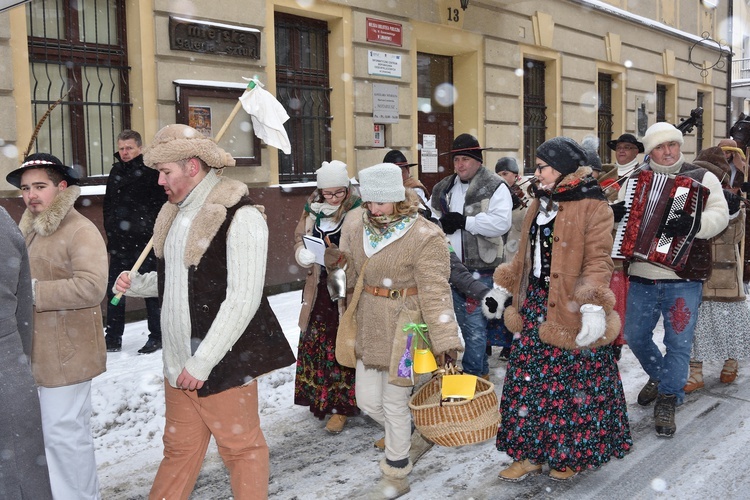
[229,120]
[116,299]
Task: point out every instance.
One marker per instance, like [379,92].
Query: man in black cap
[626,148]
[474,207]
[397,158]
[507,168]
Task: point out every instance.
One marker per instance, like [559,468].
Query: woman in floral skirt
[563,404]
[321,383]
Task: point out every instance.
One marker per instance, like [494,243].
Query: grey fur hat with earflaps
[179,142]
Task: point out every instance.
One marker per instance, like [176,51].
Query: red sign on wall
[384,32]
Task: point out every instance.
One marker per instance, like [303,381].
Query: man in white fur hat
[218,330]
[657,291]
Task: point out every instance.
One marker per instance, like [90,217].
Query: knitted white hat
[382,183]
[659,133]
[332,174]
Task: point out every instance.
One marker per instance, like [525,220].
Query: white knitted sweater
[247,247]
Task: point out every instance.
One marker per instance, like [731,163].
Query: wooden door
[435,115]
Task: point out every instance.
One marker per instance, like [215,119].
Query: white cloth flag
[268,117]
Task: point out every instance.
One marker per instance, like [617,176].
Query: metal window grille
[534,111]
[302,86]
[604,130]
[79,47]
[661,103]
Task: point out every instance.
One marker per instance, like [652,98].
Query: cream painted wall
[488,45]
[17,104]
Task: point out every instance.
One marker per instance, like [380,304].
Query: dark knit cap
[467,145]
[593,160]
[506,164]
[713,160]
[43,160]
[629,138]
[563,154]
[397,158]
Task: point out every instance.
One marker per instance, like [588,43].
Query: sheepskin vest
[260,349]
[479,252]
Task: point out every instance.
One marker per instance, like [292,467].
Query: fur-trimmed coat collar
[225,194]
[48,221]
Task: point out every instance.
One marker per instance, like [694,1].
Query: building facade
[357,78]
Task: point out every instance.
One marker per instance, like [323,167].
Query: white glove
[305,257]
[496,298]
[33,291]
[593,325]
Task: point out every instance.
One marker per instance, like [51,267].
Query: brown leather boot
[562,474]
[728,371]
[695,380]
[336,423]
[518,471]
[380,444]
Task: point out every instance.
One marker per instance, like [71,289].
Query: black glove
[745,187]
[491,304]
[733,201]
[619,210]
[678,226]
[452,221]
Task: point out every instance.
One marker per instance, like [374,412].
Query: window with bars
[77,52]
[604,130]
[302,86]
[534,111]
[661,103]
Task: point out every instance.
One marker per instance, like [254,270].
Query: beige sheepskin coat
[580,272]
[418,259]
[68,258]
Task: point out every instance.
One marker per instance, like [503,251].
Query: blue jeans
[474,329]
[677,302]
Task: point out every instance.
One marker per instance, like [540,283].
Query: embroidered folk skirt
[562,407]
[321,383]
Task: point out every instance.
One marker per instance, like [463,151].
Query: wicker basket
[459,423]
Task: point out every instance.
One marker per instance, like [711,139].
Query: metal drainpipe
[730,20]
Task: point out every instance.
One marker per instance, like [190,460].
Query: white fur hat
[332,174]
[382,183]
[659,133]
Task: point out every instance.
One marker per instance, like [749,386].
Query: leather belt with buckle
[390,293]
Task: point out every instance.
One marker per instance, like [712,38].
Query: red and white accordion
[652,200]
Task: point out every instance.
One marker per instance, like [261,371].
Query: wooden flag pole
[116,299]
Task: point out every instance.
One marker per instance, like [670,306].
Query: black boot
[649,392]
[150,346]
[114,344]
[664,415]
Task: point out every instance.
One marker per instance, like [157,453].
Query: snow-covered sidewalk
[705,459]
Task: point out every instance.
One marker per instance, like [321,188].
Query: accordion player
[652,200]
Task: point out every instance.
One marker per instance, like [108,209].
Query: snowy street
[705,459]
